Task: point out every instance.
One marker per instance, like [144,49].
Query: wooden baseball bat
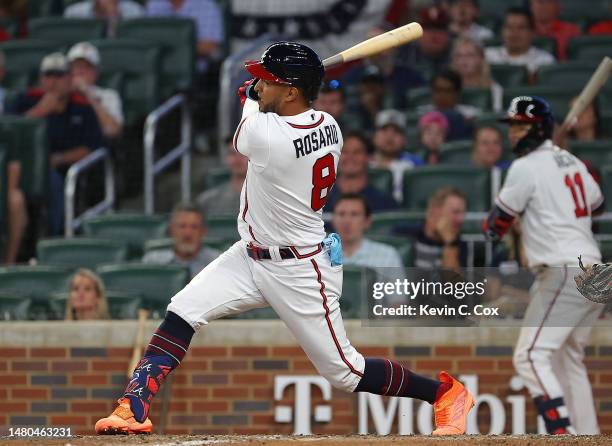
[143,315]
[590,90]
[378,44]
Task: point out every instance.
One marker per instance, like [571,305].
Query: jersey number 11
[580,211]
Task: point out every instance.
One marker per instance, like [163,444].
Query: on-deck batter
[555,197]
[280,260]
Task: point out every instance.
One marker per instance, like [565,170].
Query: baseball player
[283,258]
[555,197]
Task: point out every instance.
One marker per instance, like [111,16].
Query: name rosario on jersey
[322,137]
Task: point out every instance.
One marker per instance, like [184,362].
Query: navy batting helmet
[290,63]
[534,110]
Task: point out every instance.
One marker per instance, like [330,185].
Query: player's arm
[594,195]
[251,138]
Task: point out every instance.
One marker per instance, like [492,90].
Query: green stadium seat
[14,308]
[66,32]
[27,142]
[606,251]
[592,48]
[456,152]
[40,8]
[9,25]
[37,283]
[477,97]
[578,11]
[155,283]
[419,96]
[218,243]
[381,179]
[606,188]
[509,75]
[546,43]
[3,189]
[139,64]
[80,252]
[216,176]
[384,222]
[557,96]
[598,152]
[573,74]
[23,59]
[178,38]
[132,229]
[493,10]
[401,244]
[421,183]
[222,226]
[356,290]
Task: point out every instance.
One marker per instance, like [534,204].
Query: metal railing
[153,168]
[73,222]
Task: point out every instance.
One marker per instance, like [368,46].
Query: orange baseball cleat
[122,421]
[452,407]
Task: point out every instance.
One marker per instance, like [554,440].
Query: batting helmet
[534,110]
[290,63]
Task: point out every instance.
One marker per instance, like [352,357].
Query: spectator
[353,176]
[72,127]
[437,243]
[586,127]
[84,60]
[547,23]
[433,127]
[464,14]
[110,10]
[87,298]
[389,146]
[517,35]
[224,199]
[446,89]
[187,228]
[398,77]
[604,26]
[208,19]
[468,60]
[488,148]
[351,218]
[371,98]
[332,99]
[17,212]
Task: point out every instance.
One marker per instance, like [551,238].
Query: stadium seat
[215,176]
[155,283]
[383,223]
[132,229]
[218,243]
[493,10]
[578,11]
[222,226]
[66,32]
[421,183]
[606,188]
[80,252]
[403,246]
[3,188]
[546,43]
[178,38]
[356,290]
[9,25]
[23,59]
[592,48]
[37,283]
[598,152]
[573,74]
[456,152]
[381,179]
[41,8]
[606,251]
[509,75]
[419,96]
[139,64]
[477,97]
[557,96]
[14,308]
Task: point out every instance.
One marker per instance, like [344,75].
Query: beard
[187,248]
[270,107]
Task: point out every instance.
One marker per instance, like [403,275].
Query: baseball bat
[138,343]
[378,44]
[590,90]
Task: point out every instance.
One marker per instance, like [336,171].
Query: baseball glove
[595,282]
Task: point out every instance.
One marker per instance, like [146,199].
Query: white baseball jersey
[293,162]
[554,194]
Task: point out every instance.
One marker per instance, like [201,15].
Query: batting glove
[248,91]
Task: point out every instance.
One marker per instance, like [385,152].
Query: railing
[153,168]
[231,71]
[73,222]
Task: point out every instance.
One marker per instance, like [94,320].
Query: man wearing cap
[72,127]
[389,144]
[84,60]
[464,14]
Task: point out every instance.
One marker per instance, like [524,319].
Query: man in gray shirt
[187,228]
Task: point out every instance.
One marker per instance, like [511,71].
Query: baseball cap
[86,51]
[391,117]
[54,63]
[433,117]
[434,17]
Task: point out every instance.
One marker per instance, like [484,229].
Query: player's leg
[309,305]
[223,288]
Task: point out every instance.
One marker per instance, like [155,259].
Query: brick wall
[228,387]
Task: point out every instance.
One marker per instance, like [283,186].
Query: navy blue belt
[260,253]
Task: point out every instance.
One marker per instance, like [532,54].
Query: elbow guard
[497,223]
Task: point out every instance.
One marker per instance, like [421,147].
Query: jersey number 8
[323,177]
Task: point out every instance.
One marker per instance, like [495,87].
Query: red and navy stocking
[386,377]
[555,415]
[164,353]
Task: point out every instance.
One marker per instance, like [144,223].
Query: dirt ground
[278,440]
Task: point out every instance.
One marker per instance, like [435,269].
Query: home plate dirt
[278,440]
